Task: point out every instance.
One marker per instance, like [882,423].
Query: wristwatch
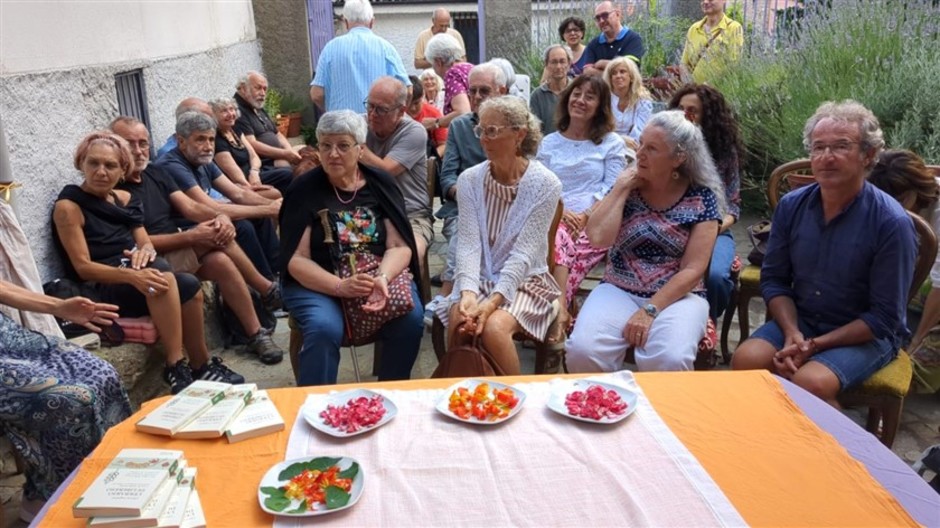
[651,310]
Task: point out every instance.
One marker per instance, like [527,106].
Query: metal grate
[132,95]
[468,24]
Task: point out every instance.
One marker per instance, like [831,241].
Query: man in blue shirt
[615,40]
[838,265]
[350,63]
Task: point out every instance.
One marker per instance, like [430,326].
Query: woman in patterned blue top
[661,219]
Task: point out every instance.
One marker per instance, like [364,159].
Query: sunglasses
[602,17]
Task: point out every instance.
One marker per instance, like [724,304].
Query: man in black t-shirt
[259,129]
[207,249]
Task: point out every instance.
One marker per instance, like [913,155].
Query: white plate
[271,479]
[471,385]
[556,401]
[311,412]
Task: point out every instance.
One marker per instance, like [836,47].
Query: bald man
[440,23]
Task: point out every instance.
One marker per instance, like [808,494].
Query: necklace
[354,193]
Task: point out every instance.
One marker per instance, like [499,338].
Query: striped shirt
[350,63]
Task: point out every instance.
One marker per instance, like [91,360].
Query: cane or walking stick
[328,239]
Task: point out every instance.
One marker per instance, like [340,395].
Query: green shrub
[885,54]
[272,103]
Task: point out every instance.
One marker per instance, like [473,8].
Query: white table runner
[537,469]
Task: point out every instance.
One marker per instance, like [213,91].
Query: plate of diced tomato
[481,402]
[592,401]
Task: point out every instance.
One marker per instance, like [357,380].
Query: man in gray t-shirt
[397,144]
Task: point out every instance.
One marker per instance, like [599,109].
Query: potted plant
[272,105]
[291,108]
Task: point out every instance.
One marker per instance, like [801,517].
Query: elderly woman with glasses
[370,212]
[502,283]
[660,219]
[446,57]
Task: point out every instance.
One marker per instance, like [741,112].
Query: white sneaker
[430,308]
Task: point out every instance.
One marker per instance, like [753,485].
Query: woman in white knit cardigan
[507,203]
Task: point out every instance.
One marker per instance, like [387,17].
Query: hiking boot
[179,376]
[215,370]
[262,345]
[272,299]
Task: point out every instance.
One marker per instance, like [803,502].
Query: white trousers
[597,343]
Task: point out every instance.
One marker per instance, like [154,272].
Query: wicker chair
[884,392]
[549,357]
[785,178]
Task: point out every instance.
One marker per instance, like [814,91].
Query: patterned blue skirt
[56,402]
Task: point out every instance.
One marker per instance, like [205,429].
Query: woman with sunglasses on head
[587,156]
[369,212]
[630,102]
[502,283]
[707,108]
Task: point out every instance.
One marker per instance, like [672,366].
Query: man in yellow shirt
[712,43]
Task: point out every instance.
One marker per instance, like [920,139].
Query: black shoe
[262,345]
[272,299]
[436,280]
[179,376]
[215,370]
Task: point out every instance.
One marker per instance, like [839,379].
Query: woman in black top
[100,232]
[370,216]
[239,161]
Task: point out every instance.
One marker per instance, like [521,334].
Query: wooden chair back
[926,253]
[788,177]
[432,180]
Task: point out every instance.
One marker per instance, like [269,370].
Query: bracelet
[384,276]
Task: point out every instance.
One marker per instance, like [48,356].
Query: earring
[675,175]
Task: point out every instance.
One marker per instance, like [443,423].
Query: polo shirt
[598,49]
[254,122]
[154,192]
[706,55]
[857,266]
[463,151]
[350,63]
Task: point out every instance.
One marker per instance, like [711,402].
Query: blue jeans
[320,318]
[718,283]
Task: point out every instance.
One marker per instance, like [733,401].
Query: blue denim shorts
[851,364]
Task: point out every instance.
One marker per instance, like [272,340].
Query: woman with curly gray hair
[502,282]
[661,219]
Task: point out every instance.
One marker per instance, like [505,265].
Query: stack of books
[208,409]
[142,488]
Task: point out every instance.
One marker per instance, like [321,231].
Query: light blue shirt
[350,63]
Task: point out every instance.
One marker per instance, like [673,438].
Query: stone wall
[46,114]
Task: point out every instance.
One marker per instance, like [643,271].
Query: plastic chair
[549,357]
[884,392]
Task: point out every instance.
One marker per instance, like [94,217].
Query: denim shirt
[858,266]
[463,151]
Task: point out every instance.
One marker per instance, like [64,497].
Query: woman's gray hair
[508,70]
[517,114]
[358,12]
[222,103]
[342,122]
[552,48]
[444,47]
[686,138]
[189,122]
[430,73]
[852,112]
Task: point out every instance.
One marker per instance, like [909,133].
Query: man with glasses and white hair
[838,265]
[397,144]
[350,63]
[462,152]
[615,40]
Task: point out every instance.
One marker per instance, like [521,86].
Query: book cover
[259,417]
[151,512]
[194,516]
[128,483]
[213,422]
[172,515]
[183,408]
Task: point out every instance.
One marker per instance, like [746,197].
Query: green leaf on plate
[322,463]
[336,497]
[319,463]
[300,509]
[349,472]
[277,503]
[292,471]
[268,490]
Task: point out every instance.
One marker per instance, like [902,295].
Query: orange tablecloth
[773,463]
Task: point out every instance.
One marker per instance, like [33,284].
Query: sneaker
[430,309]
[262,345]
[272,299]
[215,370]
[436,280]
[179,376]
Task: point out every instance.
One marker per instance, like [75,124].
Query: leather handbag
[466,358]
[759,234]
[361,326]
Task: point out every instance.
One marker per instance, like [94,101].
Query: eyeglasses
[489,131]
[839,148]
[575,29]
[558,62]
[342,148]
[482,91]
[379,110]
[143,144]
[601,17]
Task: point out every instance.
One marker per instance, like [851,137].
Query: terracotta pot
[283,124]
[293,129]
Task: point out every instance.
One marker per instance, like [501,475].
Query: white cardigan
[521,249]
